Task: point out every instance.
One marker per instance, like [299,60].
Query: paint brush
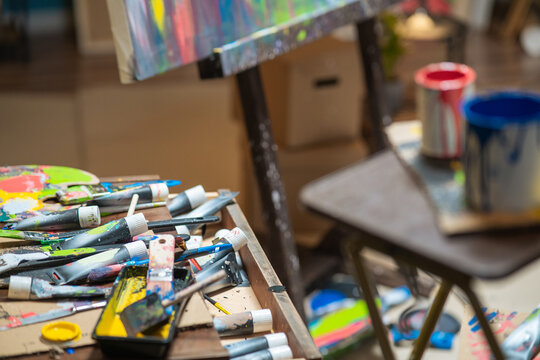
[151,311]
[133,204]
[116,209]
[216,304]
[83,217]
[42,237]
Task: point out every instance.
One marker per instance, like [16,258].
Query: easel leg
[282,253]
[353,251]
[488,333]
[374,78]
[430,321]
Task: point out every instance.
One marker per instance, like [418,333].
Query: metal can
[440,88]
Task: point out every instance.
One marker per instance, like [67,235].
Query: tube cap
[160,192]
[196,196]
[19,287]
[276,339]
[281,352]
[182,229]
[221,233]
[89,216]
[137,250]
[136,224]
[237,238]
[262,320]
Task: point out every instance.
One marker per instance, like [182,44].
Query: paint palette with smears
[24,188]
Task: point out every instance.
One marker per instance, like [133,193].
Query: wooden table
[380,200]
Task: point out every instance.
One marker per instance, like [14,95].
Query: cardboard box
[314,93]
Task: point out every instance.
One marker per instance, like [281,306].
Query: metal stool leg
[353,251]
[430,321]
[488,333]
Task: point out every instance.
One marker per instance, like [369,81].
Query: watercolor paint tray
[443,181]
[130,287]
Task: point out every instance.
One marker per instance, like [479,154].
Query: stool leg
[361,276]
[430,321]
[488,333]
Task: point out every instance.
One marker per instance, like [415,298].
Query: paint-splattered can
[502,154]
[440,88]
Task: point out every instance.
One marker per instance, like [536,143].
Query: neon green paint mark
[12,234]
[301,36]
[459,177]
[63,175]
[103,228]
[159,14]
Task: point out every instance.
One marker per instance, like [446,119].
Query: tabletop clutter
[141,273]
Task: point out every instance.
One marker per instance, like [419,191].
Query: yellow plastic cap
[61,331]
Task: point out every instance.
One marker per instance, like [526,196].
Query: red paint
[452,99]
[196,264]
[14,321]
[445,76]
[340,334]
[22,183]
[28,314]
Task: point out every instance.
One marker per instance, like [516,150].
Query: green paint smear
[103,228]
[459,177]
[63,174]
[301,35]
[12,234]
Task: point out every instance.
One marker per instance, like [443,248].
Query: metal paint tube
[283,352]
[186,201]
[524,342]
[80,269]
[230,266]
[256,344]
[109,233]
[148,193]
[169,225]
[236,237]
[27,288]
[208,208]
[81,218]
[42,237]
[244,323]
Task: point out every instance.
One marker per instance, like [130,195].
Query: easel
[241,58]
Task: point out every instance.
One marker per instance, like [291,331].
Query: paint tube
[256,344]
[83,217]
[283,352]
[524,342]
[186,201]
[236,237]
[147,193]
[208,208]
[109,233]
[42,237]
[79,270]
[230,266]
[244,323]
[109,210]
[169,225]
[27,288]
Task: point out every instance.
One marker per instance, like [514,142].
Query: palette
[24,188]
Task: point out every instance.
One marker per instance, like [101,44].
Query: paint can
[440,88]
[502,155]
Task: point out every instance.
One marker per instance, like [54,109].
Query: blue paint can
[502,151]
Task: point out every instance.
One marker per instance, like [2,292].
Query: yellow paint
[159,14]
[61,331]
[31,199]
[127,292]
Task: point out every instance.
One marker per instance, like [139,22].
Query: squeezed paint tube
[524,342]
[42,237]
[256,344]
[208,208]
[147,193]
[236,237]
[109,233]
[109,210]
[169,225]
[283,352]
[244,323]
[231,268]
[79,270]
[186,201]
[83,217]
[27,288]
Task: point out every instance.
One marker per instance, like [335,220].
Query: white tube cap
[196,196]
[136,224]
[276,339]
[221,233]
[137,250]
[262,320]
[237,238]
[89,216]
[181,229]
[281,352]
[160,192]
[19,287]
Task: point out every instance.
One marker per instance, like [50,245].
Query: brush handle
[190,290]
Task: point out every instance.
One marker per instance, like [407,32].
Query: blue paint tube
[283,352]
[79,270]
[148,193]
[256,344]
[27,288]
[83,217]
[524,342]
[186,201]
[244,323]
[208,208]
[109,233]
